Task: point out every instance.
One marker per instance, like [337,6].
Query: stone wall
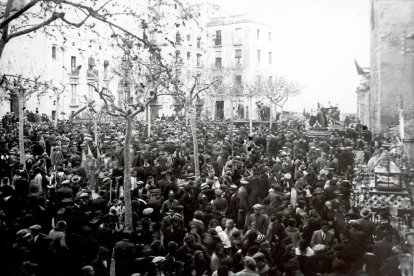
[392,62]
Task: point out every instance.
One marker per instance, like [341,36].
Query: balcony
[73,79]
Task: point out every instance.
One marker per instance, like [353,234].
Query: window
[258,55]
[217,40]
[238,79]
[238,35]
[177,56]
[188,37]
[258,33]
[106,64]
[53,51]
[73,66]
[270,57]
[73,94]
[198,42]
[188,56]
[218,63]
[270,36]
[178,38]
[238,56]
[198,60]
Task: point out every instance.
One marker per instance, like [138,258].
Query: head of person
[328,205]
[229,223]
[189,240]
[259,258]
[324,226]
[249,263]
[292,222]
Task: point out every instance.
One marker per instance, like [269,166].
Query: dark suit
[317,238]
[124,254]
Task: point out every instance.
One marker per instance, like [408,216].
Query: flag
[83,158]
[360,71]
[90,154]
[98,153]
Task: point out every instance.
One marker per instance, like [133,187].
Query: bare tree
[57,92]
[278,91]
[18,18]
[251,91]
[22,88]
[186,97]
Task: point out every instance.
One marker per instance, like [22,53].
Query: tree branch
[18,13]
[36,27]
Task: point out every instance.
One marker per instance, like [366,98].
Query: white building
[242,50]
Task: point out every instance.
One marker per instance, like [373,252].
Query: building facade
[241,51]
[392,65]
[74,69]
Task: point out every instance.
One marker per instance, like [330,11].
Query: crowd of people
[273,203]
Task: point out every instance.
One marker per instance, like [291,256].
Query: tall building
[392,65]
[75,68]
[189,53]
[241,50]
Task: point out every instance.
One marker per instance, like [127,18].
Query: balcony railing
[73,79]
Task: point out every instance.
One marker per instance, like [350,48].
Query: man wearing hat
[189,247]
[262,268]
[323,236]
[220,205]
[366,225]
[202,197]
[233,202]
[171,202]
[65,191]
[124,254]
[318,200]
[159,265]
[242,195]
[260,220]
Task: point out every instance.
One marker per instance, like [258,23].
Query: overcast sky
[318,41]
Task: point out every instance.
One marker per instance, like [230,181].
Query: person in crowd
[270,202]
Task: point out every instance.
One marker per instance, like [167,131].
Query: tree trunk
[2,46]
[213,109]
[195,145]
[95,129]
[251,115]
[21,99]
[5,30]
[270,116]
[231,126]
[127,174]
[57,112]
[149,121]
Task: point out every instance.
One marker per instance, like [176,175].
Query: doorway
[14,104]
[220,109]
